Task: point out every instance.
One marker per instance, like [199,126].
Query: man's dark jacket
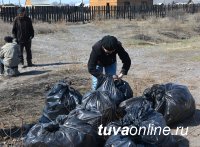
[23,29]
[99,57]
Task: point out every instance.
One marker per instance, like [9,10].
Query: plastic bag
[119,141]
[106,83]
[96,109]
[130,141]
[61,99]
[125,88]
[141,116]
[74,133]
[98,101]
[95,118]
[174,101]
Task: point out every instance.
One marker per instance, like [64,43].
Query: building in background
[37,3]
[120,2]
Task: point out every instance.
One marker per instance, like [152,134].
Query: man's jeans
[109,70]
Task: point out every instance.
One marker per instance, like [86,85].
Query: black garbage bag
[174,101]
[127,103]
[61,99]
[106,83]
[119,141]
[125,88]
[123,106]
[96,109]
[149,123]
[145,126]
[98,101]
[95,118]
[129,141]
[125,141]
[141,115]
[74,133]
[60,119]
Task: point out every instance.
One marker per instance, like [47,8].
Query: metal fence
[77,14]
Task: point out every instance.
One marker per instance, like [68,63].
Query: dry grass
[177,26]
[153,30]
[40,28]
[45,28]
[195,58]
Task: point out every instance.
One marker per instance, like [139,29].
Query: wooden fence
[81,14]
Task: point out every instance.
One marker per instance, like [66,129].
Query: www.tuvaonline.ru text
[150,130]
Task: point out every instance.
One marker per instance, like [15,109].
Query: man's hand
[120,76]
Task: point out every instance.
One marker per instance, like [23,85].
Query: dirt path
[65,54]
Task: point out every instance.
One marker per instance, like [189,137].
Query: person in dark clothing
[23,32]
[103,56]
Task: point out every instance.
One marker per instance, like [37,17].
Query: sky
[63,1]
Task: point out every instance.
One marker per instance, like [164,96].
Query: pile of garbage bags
[72,120]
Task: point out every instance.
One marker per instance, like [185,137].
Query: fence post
[82,6]
[7,14]
[83,14]
[104,12]
[129,12]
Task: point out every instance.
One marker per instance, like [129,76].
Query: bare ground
[157,57]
